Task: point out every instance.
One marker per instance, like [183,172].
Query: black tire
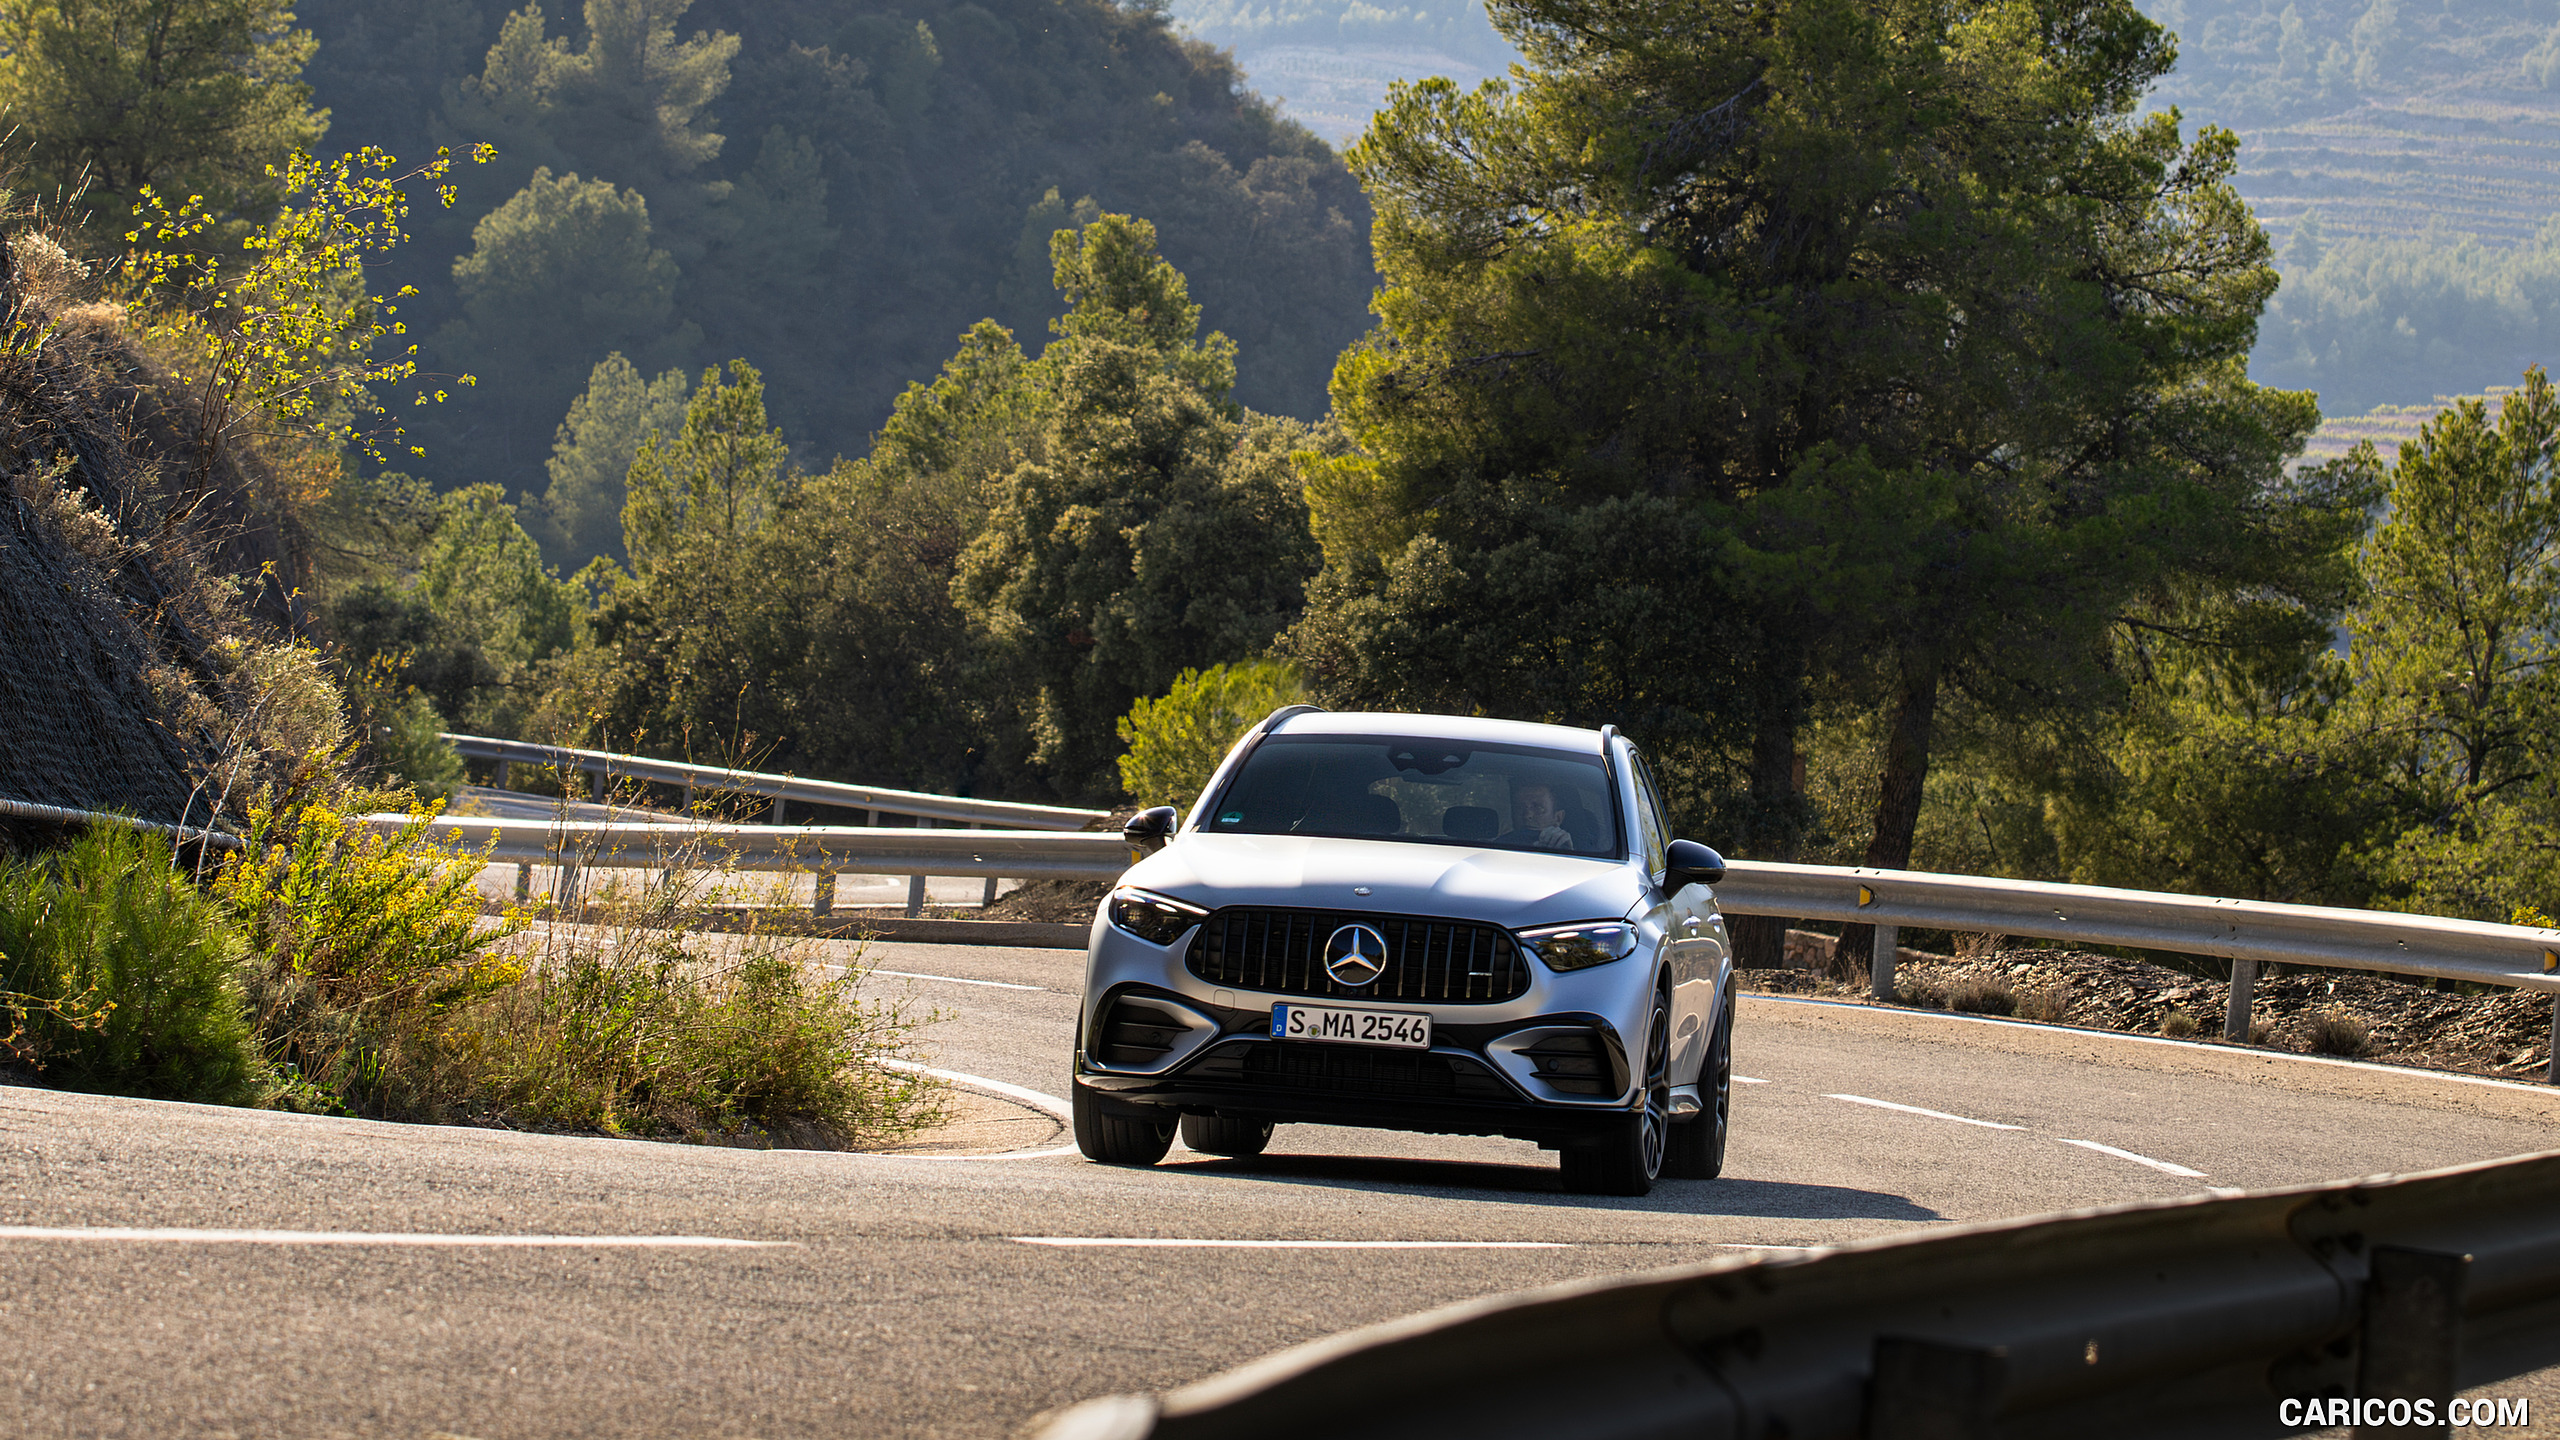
[1218,1135]
[1626,1160]
[1696,1148]
[1117,1137]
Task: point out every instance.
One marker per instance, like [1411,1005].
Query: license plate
[1351,1027]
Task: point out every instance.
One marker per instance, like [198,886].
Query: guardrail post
[506,772]
[2412,1340]
[2554,1076]
[1880,961]
[688,799]
[2235,1017]
[524,882]
[1930,1390]
[604,785]
[823,901]
[781,807]
[564,892]
[990,897]
[915,896]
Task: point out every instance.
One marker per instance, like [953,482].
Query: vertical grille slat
[1428,959]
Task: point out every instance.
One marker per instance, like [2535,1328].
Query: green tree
[1176,739]
[1161,530]
[754,639]
[714,481]
[181,97]
[631,104]
[565,269]
[2456,652]
[580,515]
[1919,345]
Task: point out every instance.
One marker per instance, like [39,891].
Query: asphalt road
[895,1295]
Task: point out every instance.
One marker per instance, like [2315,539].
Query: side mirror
[1689,863]
[1148,831]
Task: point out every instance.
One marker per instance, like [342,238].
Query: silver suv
[1415,922]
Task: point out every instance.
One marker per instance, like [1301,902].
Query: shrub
[2046,1004]
[631,1032]
[128,977]
[1973,995]
[1176,741]
[2338,1032]
[2177,1024]
[363,944]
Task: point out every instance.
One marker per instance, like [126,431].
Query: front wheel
[1626,1159]
[1696,1150]
[1117,1137]
[1218,1135]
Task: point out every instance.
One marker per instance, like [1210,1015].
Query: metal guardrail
[2150,920]
[823,850]
[55,814]
[607,767]
[2192,1317]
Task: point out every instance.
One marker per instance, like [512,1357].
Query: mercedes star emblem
[1355,955]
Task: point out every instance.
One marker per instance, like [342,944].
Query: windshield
[1399,787]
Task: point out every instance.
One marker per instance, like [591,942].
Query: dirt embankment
[2396,1020]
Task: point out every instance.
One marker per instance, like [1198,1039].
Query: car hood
[1511,888]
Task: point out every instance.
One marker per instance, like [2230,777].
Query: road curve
[342,1277]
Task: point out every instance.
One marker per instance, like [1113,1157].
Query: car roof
[1441,727]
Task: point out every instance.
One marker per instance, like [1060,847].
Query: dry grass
[2045,1004]
[2335,1030]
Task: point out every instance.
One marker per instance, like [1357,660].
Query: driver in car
[1541,819]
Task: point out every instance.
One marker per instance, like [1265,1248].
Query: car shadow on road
[1536,1184]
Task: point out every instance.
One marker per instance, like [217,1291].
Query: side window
[1649,816]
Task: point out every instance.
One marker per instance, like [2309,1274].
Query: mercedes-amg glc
[1415,922]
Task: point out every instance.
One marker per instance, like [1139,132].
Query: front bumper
[1474,1080]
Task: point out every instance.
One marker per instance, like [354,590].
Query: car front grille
[1299,1068]
[1282,951]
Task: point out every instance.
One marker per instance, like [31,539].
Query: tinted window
[1649,818]
[1390,787]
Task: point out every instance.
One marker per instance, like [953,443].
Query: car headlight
[1153,918]
[1583,945]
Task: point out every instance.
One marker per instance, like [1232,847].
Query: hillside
[832,189]
[141,668]
[1327,63]
[2384,116]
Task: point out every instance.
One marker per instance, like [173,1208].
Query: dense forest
[1744,437]
[834,190]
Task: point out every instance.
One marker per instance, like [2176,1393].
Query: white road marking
[2160,1165]
[167,1236]
[1056,1108]
[1748,1080]
[1139,1243]
[952,979]
[1916,1110]
[1033,1098]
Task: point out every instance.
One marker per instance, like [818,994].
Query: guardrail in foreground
[2190,1317]
[2247,932]
[607,767]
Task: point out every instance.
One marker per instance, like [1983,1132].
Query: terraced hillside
[2383,116]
